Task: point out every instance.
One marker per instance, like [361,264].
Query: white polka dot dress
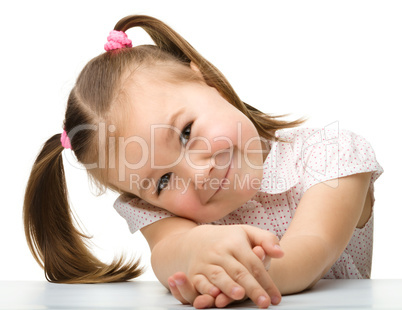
[309,156]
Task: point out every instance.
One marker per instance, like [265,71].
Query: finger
[183,290]
[204,301]
[251,275]
[272,248]
[268,241]
[175,291]
[185,287]
[222,300]
[266,260]
[221,279]
[204,286]
[256,269]
[259,251]
[235,281]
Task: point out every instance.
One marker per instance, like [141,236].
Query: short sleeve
[330,154]
[138,213]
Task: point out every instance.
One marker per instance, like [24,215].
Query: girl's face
[186,149]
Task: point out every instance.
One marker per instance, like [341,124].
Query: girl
[162,126]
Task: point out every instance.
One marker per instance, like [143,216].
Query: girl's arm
[215,258]
[322,226]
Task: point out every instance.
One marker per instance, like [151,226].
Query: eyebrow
[173,124]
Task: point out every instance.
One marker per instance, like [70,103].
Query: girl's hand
[242,276]
[180,286]
[184,291]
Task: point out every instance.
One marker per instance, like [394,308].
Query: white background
[332,61]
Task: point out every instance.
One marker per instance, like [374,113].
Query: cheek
[184,203]
[251,143]
[236,128]
[223,135]
[250,133]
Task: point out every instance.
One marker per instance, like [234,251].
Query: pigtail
[170,41]
[56,244]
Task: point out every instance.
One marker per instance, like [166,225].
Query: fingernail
[172,284]
[263,257]
[275,300]
[261,300]
[214,291]
[276,246]
[179,282]
[235,290]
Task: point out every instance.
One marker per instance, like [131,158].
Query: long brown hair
[52,234]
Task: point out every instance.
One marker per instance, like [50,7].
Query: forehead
[151,100]
[155,106]
[152,90]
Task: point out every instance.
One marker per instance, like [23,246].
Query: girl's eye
[185,134]
[163,182]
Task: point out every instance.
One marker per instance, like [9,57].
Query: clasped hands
[227,264]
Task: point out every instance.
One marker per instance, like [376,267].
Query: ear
[194,67]
[196,70]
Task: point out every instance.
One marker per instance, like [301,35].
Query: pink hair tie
[117,40]
[65,140]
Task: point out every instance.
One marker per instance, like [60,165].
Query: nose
[204,168]
[197,166]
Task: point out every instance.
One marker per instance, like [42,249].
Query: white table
[327,294]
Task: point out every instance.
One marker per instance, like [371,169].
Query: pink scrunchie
[116,40]
[65,140]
